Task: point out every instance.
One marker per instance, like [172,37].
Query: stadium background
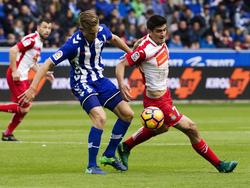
[53,148]
[209,42]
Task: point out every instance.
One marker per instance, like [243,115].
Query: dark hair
[47,20]
[155,21]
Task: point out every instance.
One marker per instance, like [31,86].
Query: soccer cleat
[123,153]
[113,161]
[10,137]
[95,170]
[226,167]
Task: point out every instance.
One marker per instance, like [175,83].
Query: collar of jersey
[150,40]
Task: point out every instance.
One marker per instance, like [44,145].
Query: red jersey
[152,60]
[30,49]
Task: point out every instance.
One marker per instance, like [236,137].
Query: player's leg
[188,127]
[19,110]
[98,117]
[11,107]
[87,97]
[143,134]
[125,115]
[111,99]
[17,118]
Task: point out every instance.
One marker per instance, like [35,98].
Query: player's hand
[125,90]
[15,75]
[50,76]
[27,96]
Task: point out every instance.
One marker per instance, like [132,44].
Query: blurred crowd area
[192,24]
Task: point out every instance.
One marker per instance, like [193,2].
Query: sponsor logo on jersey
[135,56]
[162,58]
[58,55]
[26,43]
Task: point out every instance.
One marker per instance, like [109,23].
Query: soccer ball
[152,117]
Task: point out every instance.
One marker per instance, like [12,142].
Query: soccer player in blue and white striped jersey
[93,90]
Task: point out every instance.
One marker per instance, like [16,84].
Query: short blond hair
[88,19]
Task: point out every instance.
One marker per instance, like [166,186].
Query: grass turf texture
[53,151]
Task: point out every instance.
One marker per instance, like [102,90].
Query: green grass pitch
[53,151]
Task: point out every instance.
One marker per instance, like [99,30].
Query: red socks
[16,120]
[11,108]
[204,150]
[140,136]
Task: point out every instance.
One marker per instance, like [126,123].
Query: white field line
[86,131]
[81,143]
[209,102]
[45,143]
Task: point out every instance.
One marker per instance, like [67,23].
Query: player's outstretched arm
[49,74]
[124,88]
[118,42]
[29,94]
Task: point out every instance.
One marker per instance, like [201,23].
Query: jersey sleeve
[26,44]
[105,31]
[67,51]
[136,57]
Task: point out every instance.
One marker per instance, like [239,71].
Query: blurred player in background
[151,56]
[23,57]
[93,90]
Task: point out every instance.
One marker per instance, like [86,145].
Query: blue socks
[119,130]
[94,141]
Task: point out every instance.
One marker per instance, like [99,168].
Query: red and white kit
[152,60]
[29,53]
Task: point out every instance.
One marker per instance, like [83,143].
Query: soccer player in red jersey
[23,57]
[151,56]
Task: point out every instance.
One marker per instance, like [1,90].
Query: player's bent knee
[99,122]
[125,114]
[25,110]
[193,126]
[128,116]
[98,117]
[161,130]
[192,129]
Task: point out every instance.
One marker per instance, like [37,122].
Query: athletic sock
[15,121]
[119,130]
[142,135]
[204,150]
[11,108]
[94,141]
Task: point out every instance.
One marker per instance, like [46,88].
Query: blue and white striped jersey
[85,58]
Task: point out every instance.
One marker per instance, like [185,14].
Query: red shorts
[171,114]
[17,87]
